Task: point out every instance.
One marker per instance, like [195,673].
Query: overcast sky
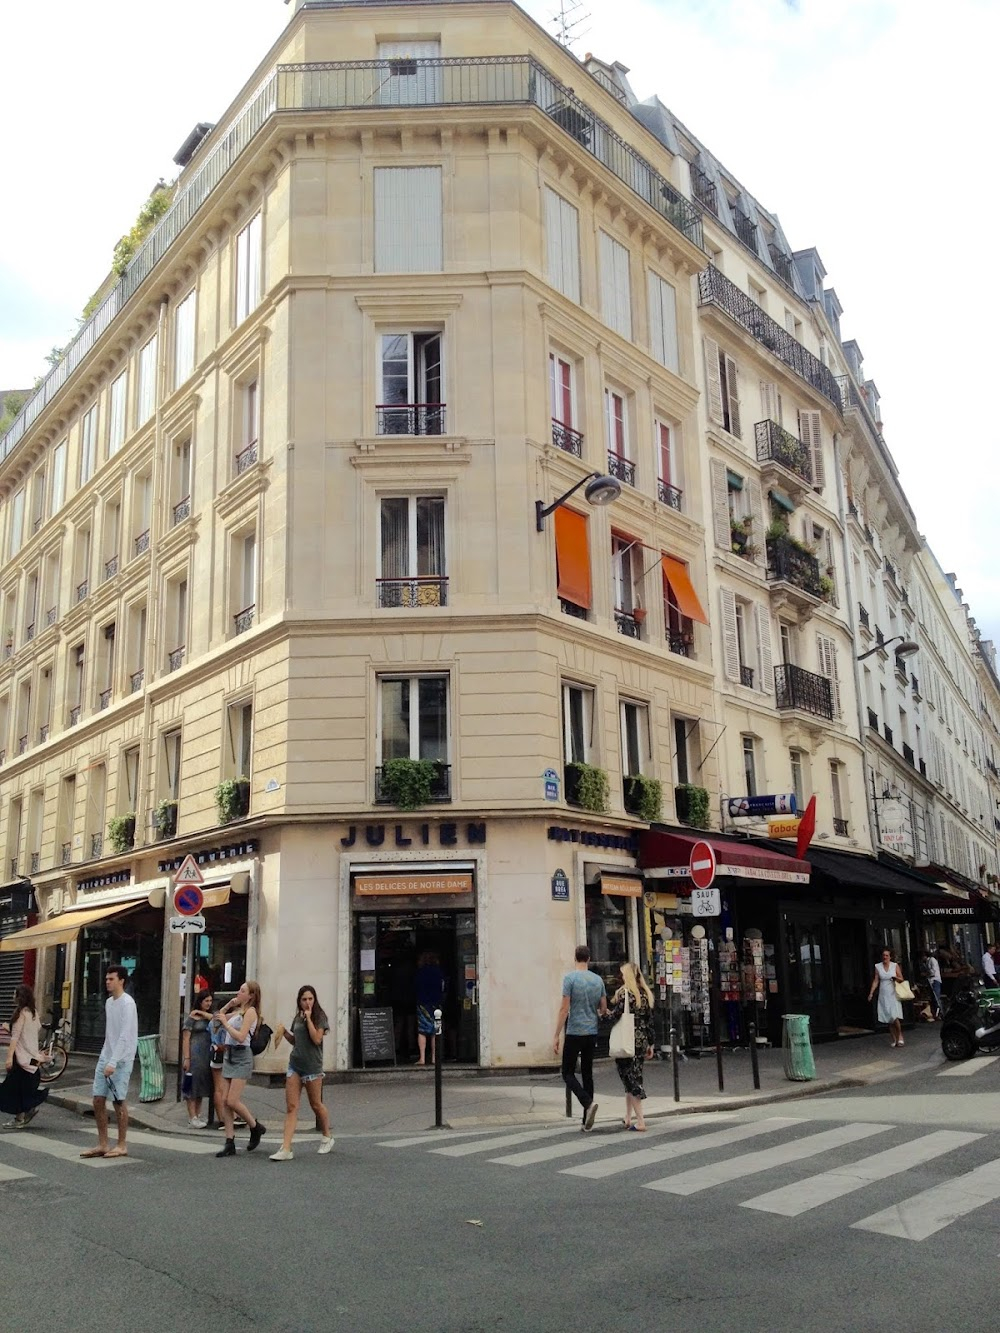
[863,124]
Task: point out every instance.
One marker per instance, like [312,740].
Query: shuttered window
[770,402]
[826,652]
[730,639]
[616,298]
[408,223]
[184,339]
[762,623]
[722,385]
[663,322]
[406,78]
[16,522]
[562,244]
[248,269]
[810,433]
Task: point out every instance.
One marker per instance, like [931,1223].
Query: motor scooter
[971,1022]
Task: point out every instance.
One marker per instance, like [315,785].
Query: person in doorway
[114,1064]
[990,966]
[932,972]
[584,1001]
[430,996]
[305,1070]
[196,1051]
[640,1001]
[19,1093]
[239,1019]
[890,1011]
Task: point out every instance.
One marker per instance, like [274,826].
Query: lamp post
[906,647]
[600,490]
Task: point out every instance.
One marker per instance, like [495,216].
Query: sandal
[117,1152]
[638,1129]
[95,1152]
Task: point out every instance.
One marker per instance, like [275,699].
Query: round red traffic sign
[188,900]
[701,867]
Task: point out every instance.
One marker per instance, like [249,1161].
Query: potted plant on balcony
[739,529]
[825,587]
[691,804]
[232,799]
[587,787]
[643,797]
[408,783]
[121,833]
[165,819]
[638,614]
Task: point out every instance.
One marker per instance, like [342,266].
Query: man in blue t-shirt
[584,1000]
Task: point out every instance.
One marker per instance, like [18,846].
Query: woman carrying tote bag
[632,1040]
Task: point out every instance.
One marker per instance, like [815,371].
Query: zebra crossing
[694,1154]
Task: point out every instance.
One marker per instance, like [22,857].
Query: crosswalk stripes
[932,1210]
[503,1141]
[632,1161]
[589,1143]
[966,1068]
[12,1173]
[69,1152]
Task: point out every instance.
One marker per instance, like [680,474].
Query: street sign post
[706,902]
[188,872]
[702,865]
[188,900]
[187,925]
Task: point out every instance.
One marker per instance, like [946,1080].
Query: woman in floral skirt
[640,999]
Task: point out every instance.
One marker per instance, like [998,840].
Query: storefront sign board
[560,887]
[187,925]
[706,902]
[622,886]
[374,886]
[378,1040]
[745,807]
[892,824]
[783,828]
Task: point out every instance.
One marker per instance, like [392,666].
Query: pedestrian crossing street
[689,1155]
[68,1150]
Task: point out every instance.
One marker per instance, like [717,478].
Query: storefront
[956,930]
[17,912]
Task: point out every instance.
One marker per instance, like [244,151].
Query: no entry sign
[701,867]
[188,900]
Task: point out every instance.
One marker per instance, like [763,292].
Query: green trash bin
[799,1063]
[150,1069]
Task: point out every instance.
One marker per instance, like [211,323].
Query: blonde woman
[640,1001]
[239,1019]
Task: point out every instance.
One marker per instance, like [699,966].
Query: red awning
[658,851]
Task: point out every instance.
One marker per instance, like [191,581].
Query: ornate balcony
[242,620]
[422,590]
[873,719]
[922,765]
[782,264]
[890,572]
[887,732]
[440,785]
[803,690]
[182,509]
[621,467]
[244,459]
[915,687]
[704,190]
[136,679]
[103,699]
[840,827]
[746,677]
[746,230]
[793,577]
[669,495]
[567,439]
[863,618]
[909,756]
[175,658]
[29,632]
[22,744]
[82,589]
[410,418]
[681,644]
[74,715]
[784,459]
[627,624]
[96,845]
[111,567]
[141,542]
[902,675]
[714,288]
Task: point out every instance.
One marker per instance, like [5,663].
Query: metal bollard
[673,1056]
[752,1030]
[437,1069]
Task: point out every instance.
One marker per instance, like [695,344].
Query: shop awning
[676,573]
[62,929]
[217,897]
[853,870]
[660,850]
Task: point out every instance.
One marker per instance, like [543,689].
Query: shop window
[578,724]
[750,764]
[411,388]
[412,569]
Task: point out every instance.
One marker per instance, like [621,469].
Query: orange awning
[572,557]
[685,597]
[61,929]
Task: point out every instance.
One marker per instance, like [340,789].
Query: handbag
[904,991]
[621,1045]
[260,1038]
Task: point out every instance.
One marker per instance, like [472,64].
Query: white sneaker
[326,1144]
[197,1123]
[282,1155]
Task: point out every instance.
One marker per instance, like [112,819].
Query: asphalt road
[873,1209]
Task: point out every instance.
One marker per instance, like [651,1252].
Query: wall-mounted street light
[906,647]
[600,490]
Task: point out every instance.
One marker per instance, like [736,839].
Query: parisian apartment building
[462,500]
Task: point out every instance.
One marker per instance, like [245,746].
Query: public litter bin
[799,1063]
[150,1069]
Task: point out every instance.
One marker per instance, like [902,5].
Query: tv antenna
[567,21]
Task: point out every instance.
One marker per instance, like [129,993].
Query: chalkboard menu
[378,1037]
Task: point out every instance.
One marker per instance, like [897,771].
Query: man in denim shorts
[114,1064]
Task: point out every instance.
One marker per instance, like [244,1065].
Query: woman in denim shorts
[305,1069]
[239,1019]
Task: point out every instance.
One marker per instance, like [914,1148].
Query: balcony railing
[863,618]
[409,418]
[141,542]
[74,715]
[422,590]
[796,688]
[29,632]
[67,853]
[714,288]
[51,615]
[175,658]
[777,445]
[13,866]
[43,733]
[746,230]
[82,589]
[566,438]
[901,671]
[36,861]
[704,190]
[111,567]
[746,677]
[135,680]
[244,459]
[440,785]
[787,563]
[869,535]
[890,571]
[182,509]
[681,644]
[915,685]
[96,844]
[873,719]
[669,495]
[242,620]
[626,623]
[840,827]
[908,755]
[879,637]
[571,609]
[621,467]
[22,744]
[782,264]
[104,699]
[887,732]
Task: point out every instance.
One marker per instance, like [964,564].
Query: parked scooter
[971,1022]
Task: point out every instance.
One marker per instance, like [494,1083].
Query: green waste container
[150,1069]
[799,1063]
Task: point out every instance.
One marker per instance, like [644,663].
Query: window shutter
[762,618]
[733,392]
[663,322]
[408,226]
[770,402]
[755,508]
[730,644]
[826,650]
[811,435]
[831,565]
[713,380]
[562,244]
[720,505]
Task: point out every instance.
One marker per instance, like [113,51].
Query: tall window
[37,499]
[248,263]
[145,404]
[116,413]
[798,783]
[409,75]
[58,477]
[142,507]
[17,522]
[184,332]
[412,551]
[686,749]
[616,296]
[413,718]
[14,819]
[562,244]
[243,581]
[626,567]
[578,724]
[409,234]
[663,322]
[836,794]
[669,487]
[635,738]
[722,382]
[561,394]
[616,432]
[88,445]
[410,385]
[171,765]
[247,425]
[239,739]
[750,764]
[181,480]
[128,796]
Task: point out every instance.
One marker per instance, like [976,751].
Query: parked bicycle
[53,1047]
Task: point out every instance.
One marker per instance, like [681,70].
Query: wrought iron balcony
[136,679]
[29,632]
[421,590]
[74,715]
[51,615]
[182,509]
[67,853]
[746,230]
[681,644]
[244,459]
[805,690]
[669,495]
[409,418]
[782,264]
[890,571]
[566,438]
[908,755]
[96,844]
[111,567]
[242,620]
[879,637]
[36,860]
[621,467]
[440,785]
[43,733]
[887,732]
[82,589]
[22,744]
[863,618]
[626,623]
[571,609]
[852,510]
[904,596]
[704,190]
[840,827]
[714,288]
[104,699]
[789,564]
[746,677]
[13,866]
[777,445]
[141,542]
[175,658]
[869,535]
[901,671]
[873,719]
[915,686]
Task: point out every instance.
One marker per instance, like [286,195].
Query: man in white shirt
[989,966]
[114,1064]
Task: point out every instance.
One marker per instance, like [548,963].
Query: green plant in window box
[587,787]
[121,833]
[643,797]
[691,804]
[232,799]
[408,783]
[165,819]
[825,587]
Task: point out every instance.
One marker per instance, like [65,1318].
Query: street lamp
[600,490]
[906,647]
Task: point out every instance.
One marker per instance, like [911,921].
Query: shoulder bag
[622,1041]
[904,991]
[260,1037]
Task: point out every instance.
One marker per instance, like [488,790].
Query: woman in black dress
[19,1093]
[640,1001]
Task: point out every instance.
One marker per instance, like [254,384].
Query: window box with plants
[739,531]
[121,833]
[691,804]
[232,799]
[411,783]
[165,819]
[643,797]
[587,787]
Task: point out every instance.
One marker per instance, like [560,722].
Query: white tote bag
[622,1042]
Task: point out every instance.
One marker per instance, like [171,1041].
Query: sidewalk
[402,1101]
